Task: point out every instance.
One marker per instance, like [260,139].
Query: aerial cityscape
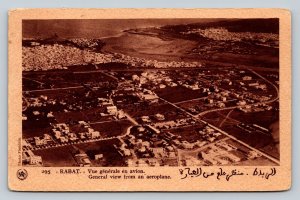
[150,92]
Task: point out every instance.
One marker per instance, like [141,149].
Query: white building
[112,110]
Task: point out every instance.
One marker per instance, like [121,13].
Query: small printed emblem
[22,174]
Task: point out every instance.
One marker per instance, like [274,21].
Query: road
[276,88]
[221,124]
[33,80]
[180,151]
[223,132]
[101,122]
[74,143]
[65,88]
[86,141]
[111,76]
[233,107]
[131,119]
[54,89]
[190,100]
[104,72]
[243,143]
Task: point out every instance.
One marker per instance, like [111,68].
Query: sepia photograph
[150,92]
[101,97]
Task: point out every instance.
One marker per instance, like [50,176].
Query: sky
[93,28]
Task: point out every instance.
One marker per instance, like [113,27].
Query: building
[241,103]
[38,141]
[221,105]
[253,84]
[145,119]
[98,156]
[187,145]
[95,134]
[121,114]
[82,159]
[131,163]
[161,86]
[253,155]
[247,78]
[63,139]
[29,158]
[210,101]
[159,117]
[153,129]
[112,110]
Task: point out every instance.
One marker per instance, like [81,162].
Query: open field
[169,112]
[57,157]
[266,119]
[112,129]
[110,155]
[61,79]
[177,94]
[88,115]
[64,156]
[33,131]
[188,133]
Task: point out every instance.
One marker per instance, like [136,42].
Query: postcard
[149,100]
